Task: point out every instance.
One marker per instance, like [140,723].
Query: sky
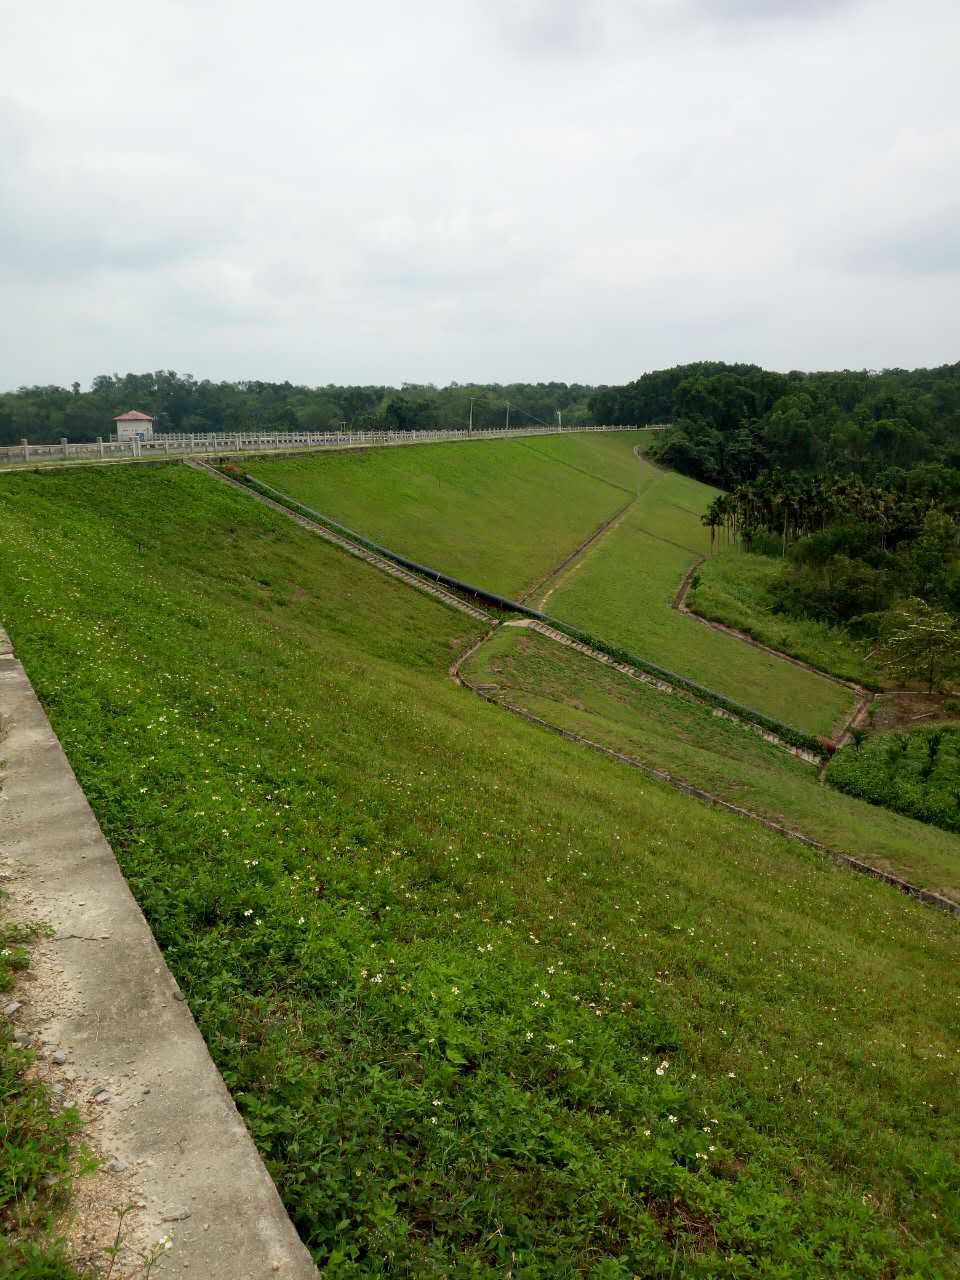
[476,190]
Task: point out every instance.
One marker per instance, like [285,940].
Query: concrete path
[99,994]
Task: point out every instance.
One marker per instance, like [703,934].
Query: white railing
[223,442]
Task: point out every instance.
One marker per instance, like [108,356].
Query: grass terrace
[489,1003]
[733,588]
[497,514]
[623,590]
[671,732]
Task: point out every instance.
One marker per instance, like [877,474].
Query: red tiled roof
[133,416]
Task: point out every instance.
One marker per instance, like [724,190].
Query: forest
[896,428]
[181,402]
[852,478]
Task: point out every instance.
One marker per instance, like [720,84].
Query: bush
[834,591]
[916,773]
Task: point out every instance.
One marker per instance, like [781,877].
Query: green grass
[497,514]
[917,773]
[38,1156]
[623,588]
[440,955]
[733,588]
[683,737]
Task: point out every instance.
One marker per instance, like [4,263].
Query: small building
[134,426]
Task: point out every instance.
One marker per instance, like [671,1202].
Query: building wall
[131,430]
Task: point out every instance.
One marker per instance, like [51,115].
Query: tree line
[182,403]
[733,422]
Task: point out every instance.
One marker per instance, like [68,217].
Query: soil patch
[910,709]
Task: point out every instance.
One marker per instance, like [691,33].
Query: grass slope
[498,514]
[733,588]
[685,738]
[488,1005]
[623,590]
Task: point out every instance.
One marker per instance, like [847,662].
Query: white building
[134,426]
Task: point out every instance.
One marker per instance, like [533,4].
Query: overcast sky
[487,190]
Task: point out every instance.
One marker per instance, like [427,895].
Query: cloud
[493,189]
[928,245]
[75,216]
[550,27]
[582,27]
[742,11]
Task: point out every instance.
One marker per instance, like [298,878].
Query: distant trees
[792,505]
[182,403]
[852,550]
[733,422]
[852,477]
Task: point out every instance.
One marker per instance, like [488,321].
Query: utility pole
[470,428]
[560,419]
[508,415]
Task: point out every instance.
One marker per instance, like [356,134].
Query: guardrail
[174,444]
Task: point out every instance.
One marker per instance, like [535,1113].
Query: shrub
[916,773]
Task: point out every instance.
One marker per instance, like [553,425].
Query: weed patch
[37,1141]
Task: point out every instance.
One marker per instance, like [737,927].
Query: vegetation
[486,1002]
[718,755]
[741,591]
[916,772]
[863,560]
[38,1142]
[921,643]
[497,515]
[182,403]
[623,592]
[897,429]
[857,474]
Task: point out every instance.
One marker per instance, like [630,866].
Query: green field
[489,1004]
[917,773]
[498,514]
[683,737]
[733,588]
[622,592]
